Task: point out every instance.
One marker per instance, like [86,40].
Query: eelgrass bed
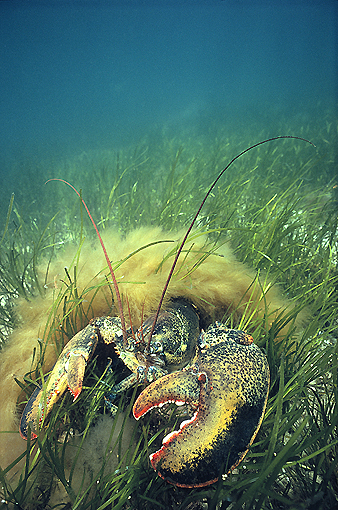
[278,208]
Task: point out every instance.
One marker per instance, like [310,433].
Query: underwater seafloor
[277,206]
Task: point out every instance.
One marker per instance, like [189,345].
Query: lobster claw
[228,383]
[68,371]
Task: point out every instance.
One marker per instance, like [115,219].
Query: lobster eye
[156,347]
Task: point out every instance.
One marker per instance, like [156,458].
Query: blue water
[80,75]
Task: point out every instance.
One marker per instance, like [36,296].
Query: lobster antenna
[199,210]
[117,292]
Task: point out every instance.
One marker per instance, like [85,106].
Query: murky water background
[83,84]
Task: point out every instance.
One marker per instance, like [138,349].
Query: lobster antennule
[116,288]
[199,210]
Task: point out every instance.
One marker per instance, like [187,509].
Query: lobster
[220,373]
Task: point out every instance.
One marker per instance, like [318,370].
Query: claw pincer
[67,372]
[227,382]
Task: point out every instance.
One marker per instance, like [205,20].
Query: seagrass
[217,286]
[277,210]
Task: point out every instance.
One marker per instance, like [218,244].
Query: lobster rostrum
[220,373]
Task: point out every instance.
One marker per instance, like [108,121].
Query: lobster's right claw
[68,371]
[227,383]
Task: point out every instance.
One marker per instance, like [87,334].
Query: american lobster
[219,372]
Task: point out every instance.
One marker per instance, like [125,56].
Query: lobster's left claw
[68,371]
[228,382]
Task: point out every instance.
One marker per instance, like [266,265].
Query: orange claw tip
[75,393]
[75,374]
[25,436]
